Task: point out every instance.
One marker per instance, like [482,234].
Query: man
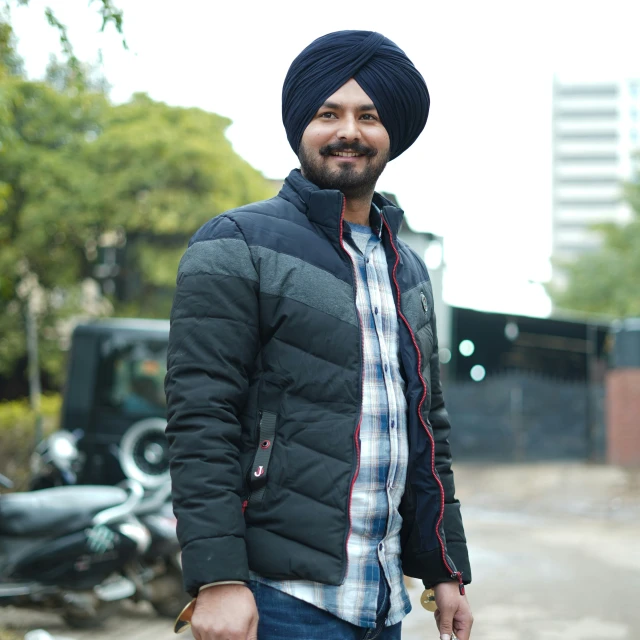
[309,440]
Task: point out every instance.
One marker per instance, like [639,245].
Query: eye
[327,115]
[368,116]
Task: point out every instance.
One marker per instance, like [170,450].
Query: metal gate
[525,417]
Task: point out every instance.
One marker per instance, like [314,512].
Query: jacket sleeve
[213,342]
[439,419]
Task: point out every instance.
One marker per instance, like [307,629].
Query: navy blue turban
[379,66]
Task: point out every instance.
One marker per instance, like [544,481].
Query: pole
[592,348]
[35,389]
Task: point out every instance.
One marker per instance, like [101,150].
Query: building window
[587,114]
[597,158]
[588,91]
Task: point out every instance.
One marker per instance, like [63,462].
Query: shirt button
[386,367]
[393,424]
[367,260]
[381,546]
[376,310]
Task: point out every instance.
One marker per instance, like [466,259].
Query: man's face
[345,146]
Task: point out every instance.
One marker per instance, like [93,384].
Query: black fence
[525,417]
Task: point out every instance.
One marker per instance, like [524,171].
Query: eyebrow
[336,106]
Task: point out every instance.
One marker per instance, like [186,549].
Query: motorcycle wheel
[169,598]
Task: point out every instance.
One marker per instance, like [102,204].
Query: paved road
[555,552]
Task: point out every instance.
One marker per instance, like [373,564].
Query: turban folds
[379,66]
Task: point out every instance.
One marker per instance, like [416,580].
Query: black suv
[115,380]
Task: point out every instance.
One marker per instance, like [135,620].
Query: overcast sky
[480,175]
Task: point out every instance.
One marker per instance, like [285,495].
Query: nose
[348,130]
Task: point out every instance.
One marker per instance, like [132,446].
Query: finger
[446,625]
[438,617]
[462,629]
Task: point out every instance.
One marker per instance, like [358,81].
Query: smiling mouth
[346,154]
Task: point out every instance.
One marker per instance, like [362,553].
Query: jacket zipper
[356,436]
[455,575]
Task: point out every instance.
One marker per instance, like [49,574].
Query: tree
[608,280]
[46,212]
[94,192]
[164,171]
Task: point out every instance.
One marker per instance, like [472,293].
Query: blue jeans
[283,617]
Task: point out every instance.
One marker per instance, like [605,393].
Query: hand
[453,614]
[225,612]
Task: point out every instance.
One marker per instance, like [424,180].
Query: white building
[596,130]
[430,248]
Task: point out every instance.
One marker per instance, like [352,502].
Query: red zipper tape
[457,574]
[357,432]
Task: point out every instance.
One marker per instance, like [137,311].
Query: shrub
[18,434]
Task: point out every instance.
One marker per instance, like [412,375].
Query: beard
[354,183]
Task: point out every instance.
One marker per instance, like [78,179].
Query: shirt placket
[373,286]
[362,261]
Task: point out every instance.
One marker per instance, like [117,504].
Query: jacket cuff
[456,540]
[208,560]
[218,584]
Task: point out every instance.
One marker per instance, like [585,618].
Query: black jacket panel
[214,340]
[264,391]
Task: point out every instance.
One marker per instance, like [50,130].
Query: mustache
[354,147]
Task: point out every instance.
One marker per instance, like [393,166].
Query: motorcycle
[142,457]
[56,461]
[69,550]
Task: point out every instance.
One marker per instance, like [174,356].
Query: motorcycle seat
[50,511]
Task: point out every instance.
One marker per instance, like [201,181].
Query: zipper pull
[458,576]
[244,505]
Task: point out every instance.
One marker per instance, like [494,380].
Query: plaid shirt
[373,548]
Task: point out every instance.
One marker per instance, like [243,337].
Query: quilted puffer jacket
[264,388]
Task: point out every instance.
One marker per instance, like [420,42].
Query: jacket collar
[323,207]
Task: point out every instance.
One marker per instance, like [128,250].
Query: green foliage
[10,62]
[46,208]
[607,281]
[17,435]
[164,172]
[17,415]
[83,182]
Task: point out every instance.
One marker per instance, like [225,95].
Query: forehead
[350,93]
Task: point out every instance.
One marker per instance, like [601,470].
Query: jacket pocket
[259,472]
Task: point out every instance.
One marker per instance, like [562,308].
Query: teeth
[346,154]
